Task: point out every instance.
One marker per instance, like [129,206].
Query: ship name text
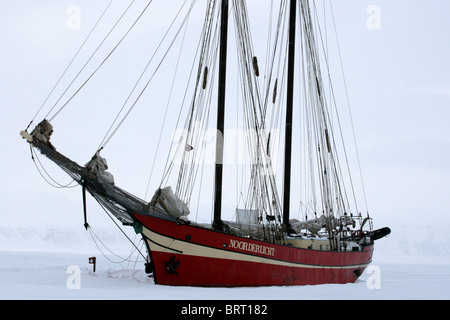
[251,247]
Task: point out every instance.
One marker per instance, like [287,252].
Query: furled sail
[170,203]
[99,166]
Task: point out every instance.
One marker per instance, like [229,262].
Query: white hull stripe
[160,243]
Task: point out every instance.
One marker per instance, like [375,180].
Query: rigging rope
[117,225]
[101,64]
[349,109]
[165,113]
[57,184]
[88,227]
[197,99]
[95,238]
[107,138]
[199,112]
[70,64]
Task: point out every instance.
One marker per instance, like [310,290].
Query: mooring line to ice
[94,237]
[123,232]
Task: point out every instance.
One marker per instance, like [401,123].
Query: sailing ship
[263,245]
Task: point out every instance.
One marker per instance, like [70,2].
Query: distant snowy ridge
[415,244]
[66,239]
[58,226]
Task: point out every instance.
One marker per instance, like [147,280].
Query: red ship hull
[186,255]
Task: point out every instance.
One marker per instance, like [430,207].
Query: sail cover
[245,216]
[99,166]
[170,203]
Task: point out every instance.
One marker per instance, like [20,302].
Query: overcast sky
[396,60]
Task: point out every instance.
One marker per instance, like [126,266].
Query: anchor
[172,266]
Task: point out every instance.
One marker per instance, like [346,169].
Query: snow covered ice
[33,275]
[40,256]
[39,251]
[35,264]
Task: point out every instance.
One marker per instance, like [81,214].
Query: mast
[289,107]
[218,223]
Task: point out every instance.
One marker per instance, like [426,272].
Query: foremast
[217,222]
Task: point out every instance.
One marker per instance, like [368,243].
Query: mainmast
[218,223]
[289,107]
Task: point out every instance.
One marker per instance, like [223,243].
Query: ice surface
[33,275]
[35,263]
[37,249]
